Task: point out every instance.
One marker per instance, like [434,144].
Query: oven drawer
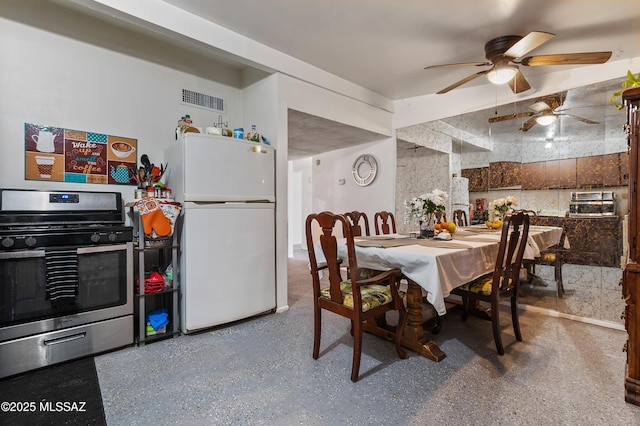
[29,353]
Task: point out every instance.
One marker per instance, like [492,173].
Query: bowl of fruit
[496,224]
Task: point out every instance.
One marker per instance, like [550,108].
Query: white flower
[501,206]
[420,208]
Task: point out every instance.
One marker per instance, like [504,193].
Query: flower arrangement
[499,208]
[422,207]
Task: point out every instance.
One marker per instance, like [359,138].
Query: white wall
[301,199]
[50,78]
[326,193]
[332,168]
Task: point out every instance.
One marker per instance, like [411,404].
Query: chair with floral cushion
[384,223]
[552,256]
[502,283]
[356,299]
[355,217]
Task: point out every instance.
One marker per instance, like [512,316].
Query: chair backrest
[384,223]
[460,218]
[440,217]
[533,216]
[328,243]
[513,241]
[355,217]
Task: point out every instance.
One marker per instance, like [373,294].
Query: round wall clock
[364,169]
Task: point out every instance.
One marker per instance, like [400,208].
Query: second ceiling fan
[544,111]
[505,52]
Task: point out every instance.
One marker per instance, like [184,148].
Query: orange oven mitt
[153,219]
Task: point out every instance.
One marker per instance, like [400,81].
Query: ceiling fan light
[502,75]
[546,119]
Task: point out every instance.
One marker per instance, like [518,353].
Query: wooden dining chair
[355,298]
[502,283]
[553,256]
[355,217]
[460,218]
[440,217]
[384,223]
[533,216]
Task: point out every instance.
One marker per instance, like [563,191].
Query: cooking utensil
[146,163]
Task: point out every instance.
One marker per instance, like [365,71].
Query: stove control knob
[95,237]
[30,241]
[7,242]
[112,237]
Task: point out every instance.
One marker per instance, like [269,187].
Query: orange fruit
[437,226]
[451,227]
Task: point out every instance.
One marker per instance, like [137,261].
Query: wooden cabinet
[589,171]
[560,173]
[533,175]
[631,276]
[585,172]
[504,174]
[478,178]
[594,241]
[603,170]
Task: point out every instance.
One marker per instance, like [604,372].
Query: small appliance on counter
[592,204]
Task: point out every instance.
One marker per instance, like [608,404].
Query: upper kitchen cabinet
[533,175]
[603,170]
[504,174]
[478,178]
[560,173]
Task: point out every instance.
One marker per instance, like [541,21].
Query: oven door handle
[24,254]
[65,339]
[101,249]
[27,254]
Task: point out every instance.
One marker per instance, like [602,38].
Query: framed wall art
[64,155]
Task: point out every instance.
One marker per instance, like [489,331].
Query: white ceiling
[384,45]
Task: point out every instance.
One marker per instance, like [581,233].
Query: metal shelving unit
[155,255]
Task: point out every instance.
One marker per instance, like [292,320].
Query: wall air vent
[203,101]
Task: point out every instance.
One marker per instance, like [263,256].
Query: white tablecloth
[439,270]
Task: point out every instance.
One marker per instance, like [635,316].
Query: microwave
[592,204]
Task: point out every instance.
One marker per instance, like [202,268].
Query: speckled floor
[260,371]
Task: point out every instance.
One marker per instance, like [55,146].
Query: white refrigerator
[227,264]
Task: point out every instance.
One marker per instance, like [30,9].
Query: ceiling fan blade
[567,59]
[540,106]
[528,124]
[527,43]
[463,81]
[519,84]
[462,64]
[511,116]
[584,120]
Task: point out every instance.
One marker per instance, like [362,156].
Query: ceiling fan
[544,112]
[505,51]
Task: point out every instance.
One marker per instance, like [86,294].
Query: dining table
[435,267]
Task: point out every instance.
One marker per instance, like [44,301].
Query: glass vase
[427,227]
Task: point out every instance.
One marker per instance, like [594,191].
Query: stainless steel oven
[66,277]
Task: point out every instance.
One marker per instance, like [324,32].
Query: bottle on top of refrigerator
[253,135]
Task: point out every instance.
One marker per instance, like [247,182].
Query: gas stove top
[39,219]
